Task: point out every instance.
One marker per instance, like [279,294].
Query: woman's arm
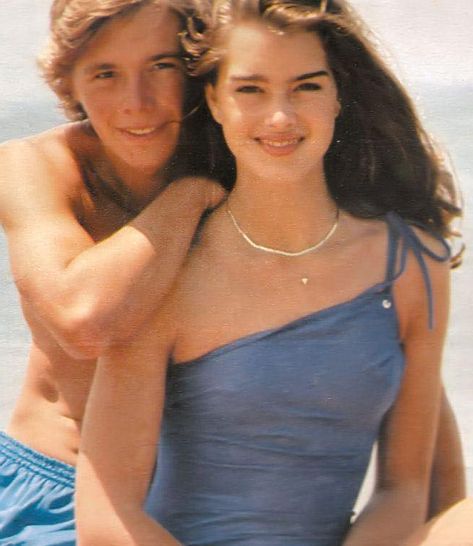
[119,443]
[451,528]
[406,444]
[447,481]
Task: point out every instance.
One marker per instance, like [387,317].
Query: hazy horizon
[429,45]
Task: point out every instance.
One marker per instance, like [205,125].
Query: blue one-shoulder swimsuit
[266,440]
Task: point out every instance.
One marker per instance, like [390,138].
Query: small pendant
[304,280]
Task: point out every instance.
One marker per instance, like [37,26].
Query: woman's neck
[285,215]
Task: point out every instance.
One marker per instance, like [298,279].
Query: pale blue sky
[427,40]
[430,40]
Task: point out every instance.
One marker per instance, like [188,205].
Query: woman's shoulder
[423,274]
[429,242]
[365,238]
[412,233]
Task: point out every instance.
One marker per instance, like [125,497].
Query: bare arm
[89,295]
[451,528]
[447,483]
[400,502]
[119,441]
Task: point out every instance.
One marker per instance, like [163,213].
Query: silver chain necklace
[279,252]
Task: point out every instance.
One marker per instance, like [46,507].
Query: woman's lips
[279,146]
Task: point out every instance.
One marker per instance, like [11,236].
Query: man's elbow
[83,333]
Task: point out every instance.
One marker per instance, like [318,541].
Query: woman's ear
[212,102]
[338,107]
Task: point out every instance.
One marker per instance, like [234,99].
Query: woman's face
[130,82]
[276,100]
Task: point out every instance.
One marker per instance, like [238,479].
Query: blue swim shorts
[36,497]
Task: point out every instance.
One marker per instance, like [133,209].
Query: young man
[95,233]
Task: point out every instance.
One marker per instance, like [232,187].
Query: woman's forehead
[258,48]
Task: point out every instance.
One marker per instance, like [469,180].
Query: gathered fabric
[36,497]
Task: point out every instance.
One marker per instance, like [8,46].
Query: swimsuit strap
[400,230]
[393,245]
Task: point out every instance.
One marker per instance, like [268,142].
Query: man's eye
[249,89]
[104,75]
[166,65]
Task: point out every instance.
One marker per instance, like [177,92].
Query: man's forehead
[147,32]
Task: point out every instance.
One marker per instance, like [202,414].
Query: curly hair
[73,23]
[380,159]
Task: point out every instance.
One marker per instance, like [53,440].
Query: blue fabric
[265,441]
[36,497]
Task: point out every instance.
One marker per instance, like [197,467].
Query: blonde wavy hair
[73,23]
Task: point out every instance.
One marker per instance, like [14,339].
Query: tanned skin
[95,232]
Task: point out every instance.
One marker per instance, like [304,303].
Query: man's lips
[139,131]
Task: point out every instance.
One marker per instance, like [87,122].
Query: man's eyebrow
[167,55]
[97,67]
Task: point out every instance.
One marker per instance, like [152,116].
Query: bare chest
[101,216]
[236,299]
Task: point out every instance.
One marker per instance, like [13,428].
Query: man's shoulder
[49,149]
[46,162]
[39,173]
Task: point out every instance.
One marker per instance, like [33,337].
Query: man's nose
[137,94]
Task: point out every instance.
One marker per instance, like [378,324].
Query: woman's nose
[281,114]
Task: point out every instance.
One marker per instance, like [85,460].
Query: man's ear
[68,94]
[212,102]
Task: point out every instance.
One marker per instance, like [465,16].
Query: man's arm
[86,294]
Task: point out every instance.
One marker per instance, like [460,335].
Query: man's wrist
[192,192]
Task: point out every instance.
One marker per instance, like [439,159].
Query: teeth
[280,143]
[141,132]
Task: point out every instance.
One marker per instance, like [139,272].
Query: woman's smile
[279,145]
[275,90]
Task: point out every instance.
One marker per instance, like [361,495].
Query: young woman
[308,321]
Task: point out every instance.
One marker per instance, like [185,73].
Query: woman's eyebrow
[248,77]
[317,74]
[259,77]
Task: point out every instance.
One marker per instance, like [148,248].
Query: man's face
[130,82]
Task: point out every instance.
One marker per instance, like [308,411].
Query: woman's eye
[308,86]
[249,89]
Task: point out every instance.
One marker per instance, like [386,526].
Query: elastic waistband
[36,462]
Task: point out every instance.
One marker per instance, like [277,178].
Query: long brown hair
[380,158]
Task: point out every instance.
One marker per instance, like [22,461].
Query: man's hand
[210,190]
